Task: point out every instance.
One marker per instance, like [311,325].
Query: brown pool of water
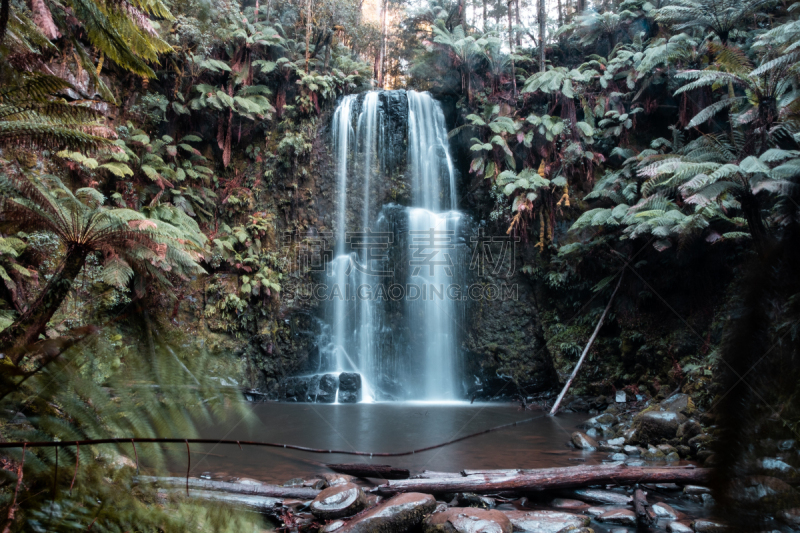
[387,427]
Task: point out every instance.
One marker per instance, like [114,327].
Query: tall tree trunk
[27,328]
[255,13]
[462,7]
[484,15]
[755,223]
[382,62]
[5,11]
[511,47]
[518,21]
[269,4]
[542,23]
[148,328]
[560,14]
[308,32]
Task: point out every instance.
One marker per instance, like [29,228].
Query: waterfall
[407,346]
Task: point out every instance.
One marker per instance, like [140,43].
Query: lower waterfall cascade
[392,309]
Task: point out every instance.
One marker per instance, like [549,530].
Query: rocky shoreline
[670,435]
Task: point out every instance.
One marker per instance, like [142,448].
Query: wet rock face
[505,341]
[298,389]
[349,387]
[468,520]
[339,501]
[401,513]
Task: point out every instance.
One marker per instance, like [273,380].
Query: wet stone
[631,450]
[656,425]
[695,489]
[679,527]
[602,496]
[326,390]
[468,520]
[790,516]
[338,502]
[583,441]
[566,503]
[349,387]
[663,510]
[707,526]
[545,521]
[597,511]
[622,517]
[337,479]
[398,514]
[618,457]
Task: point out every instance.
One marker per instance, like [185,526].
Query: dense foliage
[151,150]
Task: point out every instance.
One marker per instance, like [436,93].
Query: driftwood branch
[547,479]
[368,470]
[644,515]
[269,491]
[586,350]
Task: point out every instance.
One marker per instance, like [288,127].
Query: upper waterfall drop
[405,345]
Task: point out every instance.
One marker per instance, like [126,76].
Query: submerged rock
[339,501]
[398,514]
[468,520]
[349,387]
[545,521]
[584,441]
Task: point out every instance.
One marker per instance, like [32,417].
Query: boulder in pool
[339,501]
[468,520]
[349,387]
[545,521]
[326,390]
[398,514]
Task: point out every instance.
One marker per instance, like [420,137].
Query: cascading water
[406,347]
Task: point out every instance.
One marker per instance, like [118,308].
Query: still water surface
[388,427]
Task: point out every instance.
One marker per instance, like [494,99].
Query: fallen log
[270,491]
[644,514]
[547,479]
[432,474]
[567,385]
[246,502]
[368,470]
